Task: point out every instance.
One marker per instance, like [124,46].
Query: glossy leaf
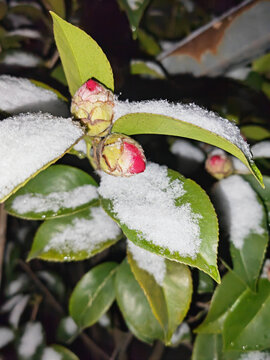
[206,284]
[73,237]
[262,65]
[224,299]
[135,307]
[148,43]
[247,325]
[59,75]
[146,123]
[146,69]
[255,132]
[56,179]
[65,353]
[81,56]
[206,259]
[93,295]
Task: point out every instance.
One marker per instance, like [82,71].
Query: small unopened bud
[93,105]
[119,155]
[219,165]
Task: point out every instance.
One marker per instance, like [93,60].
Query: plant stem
[3,228]
[92,346]
[157,351]
[121,347]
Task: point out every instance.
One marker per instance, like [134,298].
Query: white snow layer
[81,147]
[266,270]
[180,333]
[146,203]
[255,355]
[261,150]
[20,58]
[69,325]
[30,141]
[55,201]
[187,150]
[241,207]
[6,336]
[155,265]
[21,95]
[50,354]
[190,113]
[31,339]
[85,234]
[16,285]
[17,311]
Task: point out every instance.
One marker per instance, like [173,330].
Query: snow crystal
[266,270]
[155,265]
[85,234]
[190,113]
[17,311]
[30,141]
[54,201]
[81,147]
[187,150]
[50,354]
[30,340]
[70,326]
[261,150]
[16,285]
[179,333]
[255,355]
[21,95]
[6,336]
[146,203]
[243,211]
[20,58]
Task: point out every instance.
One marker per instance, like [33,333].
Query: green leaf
[170,301]
[58,6]
[206,284]
[48,87]
[146,123]
[67,330]
[262,65]
[206,259]
[147,43]
[93,295]
[81,56]
[146,68]
[74,237]
[3,9]
[66,353]
[59,75]
[223,300]
[255,132]
[247,325]
[135,307]
[54,192]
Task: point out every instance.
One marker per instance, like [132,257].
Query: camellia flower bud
[119,155]
[93,105]
[219,165]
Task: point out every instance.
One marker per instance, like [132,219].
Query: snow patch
[255,355]
[81,147]
[17,311]
[84,234]
[261,150]
[266,270]
[69,325]
[30,340]
[146,203]
[50,354]
[180,333]
[6,336]
[16,285]
[155,265]
[187,150]
[241,208]
[29,142]
[135,4]
[54,201]
[21,95]
[20,58]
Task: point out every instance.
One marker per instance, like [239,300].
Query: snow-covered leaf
[167,286]
[6,336]
[31,341]
[190,121]
[58,352]
[93,295]
[57,191]
[75,237]
[81,56]
[30,143]
[165,213]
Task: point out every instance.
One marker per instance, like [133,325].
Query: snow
[81,147]
[261,150]
[255,355]
[155,265]
[69,325]
[180,333]
[16,285]
[238,166]
[17,311]
[31,339]
[30,33]
[47,277]
[20,58]
[84,234]
[104,320]
[6,336]
[266,270]
[146,203]
[135,4]
[8,305]
[21,95]
[151,65]
[187,150]
[50,354]
[29,142]
[241,207]
[189,113]
[54,201]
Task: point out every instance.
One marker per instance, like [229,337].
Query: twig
[157,351]
[122,347]
[3,228]
[92,346]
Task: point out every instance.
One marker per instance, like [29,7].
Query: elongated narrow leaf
[93,295]
[224,298]
[189,227]
[247,324]
[30,143]
[168,300]
[190,121]
[57,191]
[135,307]
[81,56]
[75,237]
